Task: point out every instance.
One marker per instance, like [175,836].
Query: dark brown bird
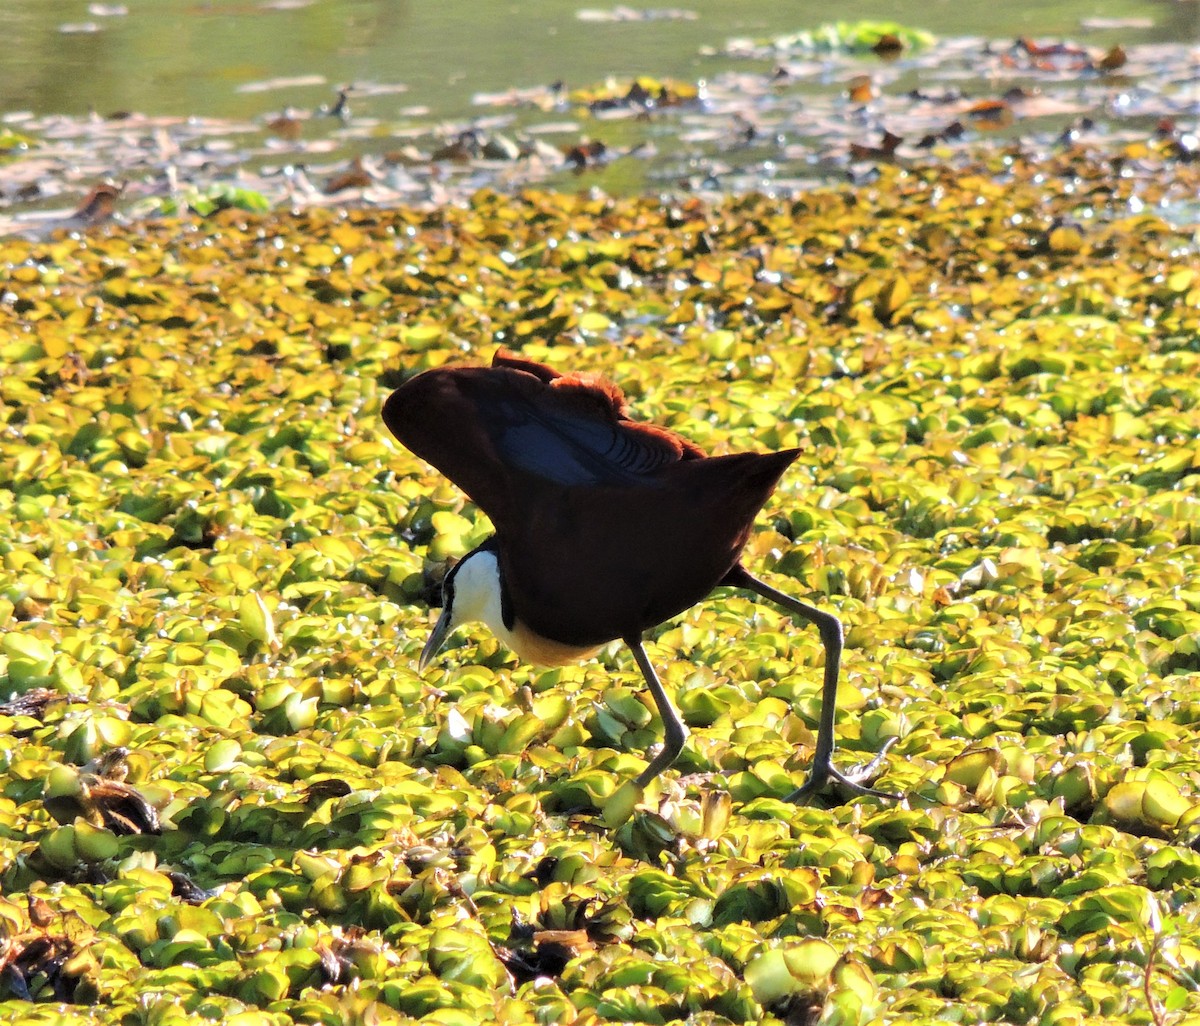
[605,527]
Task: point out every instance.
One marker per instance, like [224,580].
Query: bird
[605,527]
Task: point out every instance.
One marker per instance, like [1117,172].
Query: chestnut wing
[504,435]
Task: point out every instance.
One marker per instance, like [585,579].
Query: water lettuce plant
[226,795]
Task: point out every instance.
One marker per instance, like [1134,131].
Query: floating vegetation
[886,38]
[226,795]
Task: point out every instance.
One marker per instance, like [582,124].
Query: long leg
[823,770]
[674,732]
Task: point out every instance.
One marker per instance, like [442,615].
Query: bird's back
[592,565]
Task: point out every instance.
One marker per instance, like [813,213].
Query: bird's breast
[533,648]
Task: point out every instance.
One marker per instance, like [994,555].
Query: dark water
[178,57]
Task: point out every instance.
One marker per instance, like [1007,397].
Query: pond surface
[190,57]
[171,99]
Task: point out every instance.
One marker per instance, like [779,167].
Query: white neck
[477,593]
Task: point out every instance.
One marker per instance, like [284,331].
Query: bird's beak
[437,638]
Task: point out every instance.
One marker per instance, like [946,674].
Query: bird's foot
[821,774]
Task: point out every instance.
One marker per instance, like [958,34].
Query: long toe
[822,774]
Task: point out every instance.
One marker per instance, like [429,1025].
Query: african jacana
[605,527]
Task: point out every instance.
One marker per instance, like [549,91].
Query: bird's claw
[820,776]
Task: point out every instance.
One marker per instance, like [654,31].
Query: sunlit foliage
[225,791]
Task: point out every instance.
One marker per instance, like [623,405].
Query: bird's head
[471,591]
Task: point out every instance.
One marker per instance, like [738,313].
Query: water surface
[191,57]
